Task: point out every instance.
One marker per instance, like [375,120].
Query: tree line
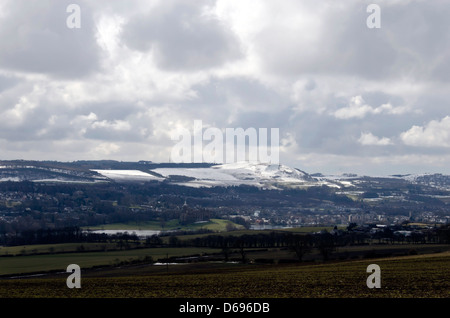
[325,242]
[71,234]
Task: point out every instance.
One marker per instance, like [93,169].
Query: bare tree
[300,244]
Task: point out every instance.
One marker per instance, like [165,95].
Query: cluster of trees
[301,244]
[63,235]
[325,242]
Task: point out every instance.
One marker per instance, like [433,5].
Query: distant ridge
[262,175]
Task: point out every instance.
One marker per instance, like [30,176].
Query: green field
[54,248]
[59,261]
[241,231]
[218,225]
[404,277]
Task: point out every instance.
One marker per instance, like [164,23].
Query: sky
[118,85]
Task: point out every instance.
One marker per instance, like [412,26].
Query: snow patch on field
[127,175]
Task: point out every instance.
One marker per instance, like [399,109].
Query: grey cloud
[38,123]
[181,37]
[107,131]
[258,119]
[327,135]
[7,82]
[35,38]
[130,129]
[219,99]
[377,98]
[412,42]
[110,110]
[344,46]
[53,121]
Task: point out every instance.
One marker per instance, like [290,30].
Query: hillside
[244,173]
[261,175]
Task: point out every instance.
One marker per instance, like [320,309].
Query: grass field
[404,277]
[241,231]
[54,248]
[59,262]
[218,225]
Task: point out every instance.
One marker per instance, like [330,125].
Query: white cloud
[368,139]
[435,133]
[106,149]
[119,125]
[359,109]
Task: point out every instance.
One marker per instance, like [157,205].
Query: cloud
[34,38]
[359,109]
[138,70]
[7,82]
[182,36]
[304,37]
[435,133]
[368,139]
[107,149]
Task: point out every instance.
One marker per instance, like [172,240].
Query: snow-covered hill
[263,175]
[436,180]
[241,173]
[18,171]
[263,172]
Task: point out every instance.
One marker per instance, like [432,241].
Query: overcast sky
[345,97]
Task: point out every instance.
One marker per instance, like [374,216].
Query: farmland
[212,224]
[58,261]
[404,277]
[289,263]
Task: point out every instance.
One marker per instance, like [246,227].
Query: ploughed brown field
[415,276]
